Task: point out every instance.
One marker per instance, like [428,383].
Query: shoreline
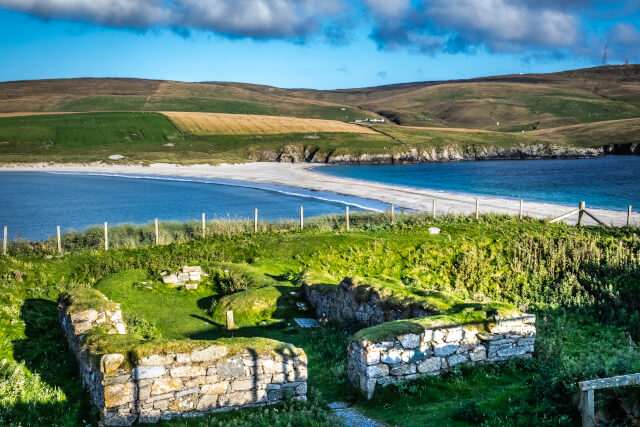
[302,175]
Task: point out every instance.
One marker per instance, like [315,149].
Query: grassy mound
[252,307]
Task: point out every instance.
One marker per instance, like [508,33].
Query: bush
[228,281]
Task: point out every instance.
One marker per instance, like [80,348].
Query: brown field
[248,124]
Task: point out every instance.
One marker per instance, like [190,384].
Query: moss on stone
[250,308]
[478,315]
[82,299]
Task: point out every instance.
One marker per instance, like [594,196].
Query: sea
[33,204]
[610,182]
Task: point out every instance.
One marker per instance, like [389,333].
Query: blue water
[32,204]
[611,182]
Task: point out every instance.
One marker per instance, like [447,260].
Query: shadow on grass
[45,352]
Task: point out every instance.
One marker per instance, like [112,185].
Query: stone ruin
[163,383]
[434,350]
[187,277]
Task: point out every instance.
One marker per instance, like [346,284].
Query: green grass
[106,103]
[581,283]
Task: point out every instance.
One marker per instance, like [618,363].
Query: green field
[581,283]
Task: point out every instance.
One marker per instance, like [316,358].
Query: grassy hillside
[581,283]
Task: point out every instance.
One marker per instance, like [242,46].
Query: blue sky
[321,44]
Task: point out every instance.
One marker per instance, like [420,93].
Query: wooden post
[434,208]
[477,208]
[4,242]
[581,214]
[629,215]
[392,212]
[230,324]
[255,221]
[301,218]
[521,211]
[59,242]
[587,407]
[157,237]
[203,226]
[347,218]
[106,237]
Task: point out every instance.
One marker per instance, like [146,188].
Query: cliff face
[293,154]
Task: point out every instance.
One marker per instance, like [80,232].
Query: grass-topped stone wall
[131,379]
[418,332]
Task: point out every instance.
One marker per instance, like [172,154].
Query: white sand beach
[301,175]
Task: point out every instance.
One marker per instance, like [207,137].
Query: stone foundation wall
[437,350]
[342,304]
[207,377]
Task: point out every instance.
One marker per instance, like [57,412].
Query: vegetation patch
[252,307]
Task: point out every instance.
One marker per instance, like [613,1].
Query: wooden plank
[157,236]
[595,219]
[230,324]
[204,227]
[561,217]
[581,214]
[628,215]
[301,218]
[433,213]
[587,408]
[392,212]
[347,218]
[477,208]
[521,211]
[255,221]
[619,381]
[106,237]
[4,242]
[59,242]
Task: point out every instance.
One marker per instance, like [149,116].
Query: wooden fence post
[204,229]
[477,208]
[392,213]
[433,213]
[157,236]
[629,215]
[59,242]
[301,218]
[230,324]
[4,242]
[347,218]
[587,407]
[255,221]
[106,237]
[521,211]
[581,214]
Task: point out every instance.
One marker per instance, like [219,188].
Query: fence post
[301,218]
[434,208]
[59,242]
[157,237]
[392,212]
[629,215]
[347,218]
[4,242]
[255,221]
[587,408]
[204,229]
[581,214]
[477,208]
[106,237]
[230,324]
[521,212]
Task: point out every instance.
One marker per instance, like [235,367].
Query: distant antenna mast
[604,56]
[627,61]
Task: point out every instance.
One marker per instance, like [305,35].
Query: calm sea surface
[32,204]
[611,182]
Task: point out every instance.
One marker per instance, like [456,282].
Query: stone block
[118,394]
[210,353]
[195,382]
[456,359]
[443,350]
[191,269]
[187,392]
[162,404]
[233,399]
[142,372]
[156,360]
[403,369]
[478,354]
[109,363]
[526,341]
[371,357]
[391,357]
[115,418]
[217,388]
[432,364]
[165,396]
[144,393]
[512,351]
[242,385]
[409,356]
[454,334]
[183,357]
[188,371]
[229,368]
[183,277]
[376,371]
[207,402]
[409,341]
[165,385]
[171,279]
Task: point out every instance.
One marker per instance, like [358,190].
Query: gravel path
[351,417]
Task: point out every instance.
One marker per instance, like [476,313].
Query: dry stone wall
[208,377]
[343,303]
[438,349]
